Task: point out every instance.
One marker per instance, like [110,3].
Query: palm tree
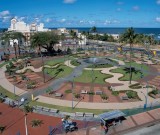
[7,36]
[36,123]
[93,29]
[27,109]
[2,128]
[133,70]
[128,37]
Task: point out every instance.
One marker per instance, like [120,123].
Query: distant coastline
[149,31]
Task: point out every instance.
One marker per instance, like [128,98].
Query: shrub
[135,86]
[68,91]
[104,96]
[154,92]
[77,95]
[36,123]
[115,93]
[2,128]
[91,93]
[131,94]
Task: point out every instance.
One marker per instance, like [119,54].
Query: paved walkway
[78,71]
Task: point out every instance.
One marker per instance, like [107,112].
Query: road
[153,130]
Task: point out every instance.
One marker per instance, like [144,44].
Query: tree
[128,37]
[93,29]
[36,123]
[46,40]
[7,36]
[2,128]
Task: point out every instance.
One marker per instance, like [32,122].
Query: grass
[55,61]
[68,109]
[134,64]
[7,93]
[75,63]
[86,77]
[68,91]
[126,76]
[58,72]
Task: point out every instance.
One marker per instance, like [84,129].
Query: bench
[84,91]
[38,107]
[46,109]
[54,110]
[124,98]
[98,92]
[58,94]
[79,114]
[89,114]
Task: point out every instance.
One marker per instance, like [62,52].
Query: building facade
[26,29]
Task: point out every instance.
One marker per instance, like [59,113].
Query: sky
[82,13]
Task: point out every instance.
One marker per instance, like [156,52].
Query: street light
[43,68]
[145,105]
[72,91]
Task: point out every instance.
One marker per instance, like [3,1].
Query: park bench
[79,114]
[38,108]
[84,91]
[46,109]
[54,110]
[98,92]
[58,94]
[124,98]
[89,114]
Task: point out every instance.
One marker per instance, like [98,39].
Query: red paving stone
[126,124]
[155,113]
[142,118]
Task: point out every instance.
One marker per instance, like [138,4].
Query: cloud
[120,3]
[4,13]
[62,20]
[48,20]
[69,1]
[119,9]
[158,2]
[158,19]
[107,22]
[136,8]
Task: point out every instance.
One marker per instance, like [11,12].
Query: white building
[26,29]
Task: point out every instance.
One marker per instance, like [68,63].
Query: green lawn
[7,93]
[134,64]
[75,63]
[55,61]
[86,77]
[60,71]
[126,76]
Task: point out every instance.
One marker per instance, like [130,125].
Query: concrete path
[7,85]
[77,72]
[35,69]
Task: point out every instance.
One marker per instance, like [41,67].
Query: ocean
[148,31]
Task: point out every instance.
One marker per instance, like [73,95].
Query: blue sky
[82,13]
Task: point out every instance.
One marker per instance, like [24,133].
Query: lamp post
[43,68]
[26,128]
[145,105]
[72,91]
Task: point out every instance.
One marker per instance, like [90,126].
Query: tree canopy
[46,40]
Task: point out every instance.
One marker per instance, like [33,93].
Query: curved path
[35,69]
[56,84]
